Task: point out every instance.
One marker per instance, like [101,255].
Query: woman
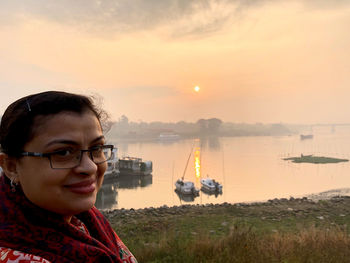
[53,156]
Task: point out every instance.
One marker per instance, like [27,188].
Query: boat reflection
[185,197]
[107,197]
[133,181]
[208,192]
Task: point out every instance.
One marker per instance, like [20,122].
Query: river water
[250,169]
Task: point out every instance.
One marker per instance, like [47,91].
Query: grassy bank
[295,230]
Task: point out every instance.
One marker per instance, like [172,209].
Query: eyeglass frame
[48,155]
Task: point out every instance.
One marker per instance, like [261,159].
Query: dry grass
[245,245]
[295,230]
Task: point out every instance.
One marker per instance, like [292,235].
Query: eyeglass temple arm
[33,154]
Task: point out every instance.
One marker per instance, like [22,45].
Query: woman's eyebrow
[59,141]
[70,142]
[98,139]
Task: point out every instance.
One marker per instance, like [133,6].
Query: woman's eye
[97,148]
[65,152]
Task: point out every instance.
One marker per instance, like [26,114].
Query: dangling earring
[13,185]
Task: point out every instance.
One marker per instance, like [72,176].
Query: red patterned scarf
[31,229]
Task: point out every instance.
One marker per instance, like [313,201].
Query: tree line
[124,128]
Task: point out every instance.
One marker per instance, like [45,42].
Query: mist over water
[250,169]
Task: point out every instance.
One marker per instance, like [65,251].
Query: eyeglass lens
[71,159]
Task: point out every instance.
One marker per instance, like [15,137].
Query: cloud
[119,16]
[115,17]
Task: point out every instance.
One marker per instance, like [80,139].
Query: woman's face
[63,191]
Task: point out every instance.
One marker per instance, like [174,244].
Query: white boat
[168,137]
[112,165]
[211,185]
[306,136]
[135,166]
[186,187]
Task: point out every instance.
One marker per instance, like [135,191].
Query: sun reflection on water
[197,162]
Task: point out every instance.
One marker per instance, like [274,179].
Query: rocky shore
[272,210]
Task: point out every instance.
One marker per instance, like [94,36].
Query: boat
[307,156]
[307,136]
[186,187]
[112,165]
[134,166]
[168,137]
[210,185]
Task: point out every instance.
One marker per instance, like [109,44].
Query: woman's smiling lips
[84,187]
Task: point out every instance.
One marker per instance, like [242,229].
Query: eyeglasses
[70,158]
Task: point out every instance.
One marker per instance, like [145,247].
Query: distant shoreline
[156,139]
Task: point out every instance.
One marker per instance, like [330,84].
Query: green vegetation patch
[314,159]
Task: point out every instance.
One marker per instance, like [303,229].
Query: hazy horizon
[236,122]
[255,61]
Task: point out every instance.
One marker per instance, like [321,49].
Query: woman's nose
[86,165]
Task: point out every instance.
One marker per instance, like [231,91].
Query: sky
[266,61]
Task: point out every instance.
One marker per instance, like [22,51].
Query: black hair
[17,123]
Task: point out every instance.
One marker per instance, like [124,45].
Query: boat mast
[183,176]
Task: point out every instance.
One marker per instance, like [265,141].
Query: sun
[197,88]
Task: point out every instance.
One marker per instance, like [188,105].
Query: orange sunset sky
[254,61]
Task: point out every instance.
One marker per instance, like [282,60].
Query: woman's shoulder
[15,256]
